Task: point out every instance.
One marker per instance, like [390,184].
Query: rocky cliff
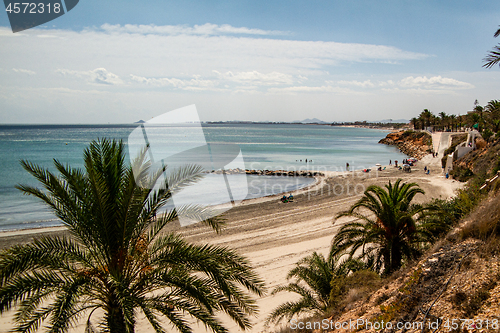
[411,143]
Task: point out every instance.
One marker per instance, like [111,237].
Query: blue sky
[120,61]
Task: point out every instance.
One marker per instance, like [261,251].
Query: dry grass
[470,303]
[484,221]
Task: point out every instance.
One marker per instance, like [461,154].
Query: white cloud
[255,77]
[364,84]
[24,71]
[47,36]
[205,29]
[433,83]
[194,84]
[151,68]
[98,75]
[174,51]
[417,84]
[215,46]
[312,89]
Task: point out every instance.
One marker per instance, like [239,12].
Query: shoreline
[319,180]
[381,128]
[319,183]
[318,176]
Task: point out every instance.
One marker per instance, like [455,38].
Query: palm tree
[426,117]
[393,229]
[443,117]
[480,111]
[474,120]
[452,122]
[118,259]
[495,125]
[493,115]
[313,275]
[414,122]
[493,108]
[493,57]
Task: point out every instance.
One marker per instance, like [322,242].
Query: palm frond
[390,230]
[492,58]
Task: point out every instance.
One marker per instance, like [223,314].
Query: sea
[292,147]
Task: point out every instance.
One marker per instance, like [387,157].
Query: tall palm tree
[493,115]
[493,108]
[475,121]
[118,259]
[414,122]
[392,228]
[493,57]
[443,117]
[312,281]
[480,111]
[453,123]
[495,125]
[426,117]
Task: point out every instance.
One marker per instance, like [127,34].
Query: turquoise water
[263,146]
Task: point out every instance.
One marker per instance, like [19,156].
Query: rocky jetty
[301,173]
[411,143]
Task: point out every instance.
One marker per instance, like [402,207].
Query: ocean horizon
[292,147]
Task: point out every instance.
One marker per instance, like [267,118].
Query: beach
[275,235]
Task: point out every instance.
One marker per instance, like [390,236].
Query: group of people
[285,199]
[409,162]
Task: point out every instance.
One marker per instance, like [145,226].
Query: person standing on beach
[347,166]
[390,162]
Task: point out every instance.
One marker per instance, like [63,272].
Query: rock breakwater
[301,173]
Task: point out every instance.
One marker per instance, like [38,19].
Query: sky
[123,61]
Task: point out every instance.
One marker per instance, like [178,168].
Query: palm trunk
[396,257]
[115,318]
[387,261]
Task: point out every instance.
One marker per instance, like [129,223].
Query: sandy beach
[275,235]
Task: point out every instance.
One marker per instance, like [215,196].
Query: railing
[490,181]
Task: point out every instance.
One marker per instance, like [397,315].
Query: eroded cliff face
[415,144]
[484,159]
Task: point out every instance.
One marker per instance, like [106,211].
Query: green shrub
[487,134]
[461,174]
